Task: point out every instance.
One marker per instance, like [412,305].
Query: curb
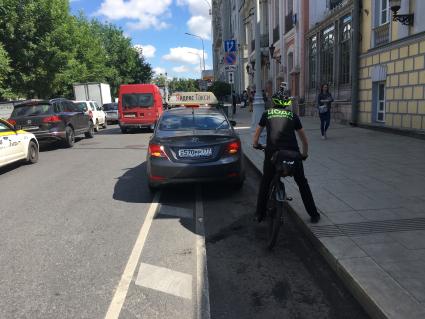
[351,284]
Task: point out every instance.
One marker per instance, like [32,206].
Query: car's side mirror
[233,123]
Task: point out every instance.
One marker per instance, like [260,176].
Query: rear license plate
[195,152]
[29,128]
[129,115]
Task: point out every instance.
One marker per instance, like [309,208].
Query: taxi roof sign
[192,98]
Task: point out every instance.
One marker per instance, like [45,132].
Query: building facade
[392,66]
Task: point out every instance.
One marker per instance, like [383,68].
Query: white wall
[419,24]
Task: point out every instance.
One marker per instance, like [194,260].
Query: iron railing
[381,34]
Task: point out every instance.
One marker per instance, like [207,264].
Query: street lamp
[405,19]
[210,11]
[203,49]
[200,61]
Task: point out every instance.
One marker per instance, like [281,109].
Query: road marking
[202,287]
[176,211]
[122,289]
[165,280]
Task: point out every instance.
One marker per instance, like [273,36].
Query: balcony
[335,3]
[381,35]
[276,36]
[289,22]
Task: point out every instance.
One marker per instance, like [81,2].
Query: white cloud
[200,21]
[158,70]
[148,51]
[184,55]
[144,14]
[181,69]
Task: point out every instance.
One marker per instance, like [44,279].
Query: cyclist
[281,125]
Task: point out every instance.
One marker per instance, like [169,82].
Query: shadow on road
[132,186]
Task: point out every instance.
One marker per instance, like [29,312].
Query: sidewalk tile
[345,217]
[372,239]
[384,291]
[342,247]
[410,239]
[391,252]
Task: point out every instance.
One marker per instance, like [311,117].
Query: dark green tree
[220,89]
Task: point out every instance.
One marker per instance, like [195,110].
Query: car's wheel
[90,132]
[105,124]
[96,127]
[69,137]
[124,130]
[32,156]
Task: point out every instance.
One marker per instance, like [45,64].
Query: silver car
[111,111]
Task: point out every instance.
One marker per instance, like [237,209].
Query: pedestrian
[324,100]
[234,103]
[244,99]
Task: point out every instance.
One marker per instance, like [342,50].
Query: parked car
[139,106]
[111,110]
[16,145]
[95,112]
[194,145]
[54,120]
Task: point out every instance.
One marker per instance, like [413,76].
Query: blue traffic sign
[229,45]
[230,58]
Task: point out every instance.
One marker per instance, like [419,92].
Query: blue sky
[158,27]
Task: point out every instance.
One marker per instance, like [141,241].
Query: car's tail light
[91,114]
[156,150]
[233,147]
[12,122]
[52,119]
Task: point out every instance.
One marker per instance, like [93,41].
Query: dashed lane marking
[165,280]
[117,302]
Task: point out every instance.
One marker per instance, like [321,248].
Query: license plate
[28,128]
[195,152]
[129,115]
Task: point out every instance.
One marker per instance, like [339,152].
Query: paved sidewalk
[370,189]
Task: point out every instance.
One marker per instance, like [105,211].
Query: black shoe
[315,219]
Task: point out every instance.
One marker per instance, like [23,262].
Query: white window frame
[379,103]
[386,10]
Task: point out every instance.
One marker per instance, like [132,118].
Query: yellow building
[392,65]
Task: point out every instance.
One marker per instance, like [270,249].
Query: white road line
[122,289]
[202,287]
[165,280]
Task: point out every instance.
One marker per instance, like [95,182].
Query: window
[171,122]
[312,62]
[345,48]
[4,127]
[383,12]
[380,103]
[31,110]
[135,100]
[327,55]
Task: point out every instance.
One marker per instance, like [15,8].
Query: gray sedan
[194,145]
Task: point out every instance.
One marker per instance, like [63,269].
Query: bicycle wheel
[274,217]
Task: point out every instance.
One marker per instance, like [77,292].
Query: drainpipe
[355,64]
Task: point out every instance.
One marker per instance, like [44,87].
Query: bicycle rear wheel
[274,223]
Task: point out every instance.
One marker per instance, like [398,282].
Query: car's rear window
[175,122]
[32,110]
[110,107]
[133,100]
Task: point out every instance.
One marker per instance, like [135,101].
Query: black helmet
[280,99]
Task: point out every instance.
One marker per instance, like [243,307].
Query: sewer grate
[370,227]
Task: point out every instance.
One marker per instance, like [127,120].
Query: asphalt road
[82,237]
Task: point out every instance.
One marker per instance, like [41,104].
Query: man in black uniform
[281,125]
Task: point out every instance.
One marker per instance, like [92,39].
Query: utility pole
[258,106]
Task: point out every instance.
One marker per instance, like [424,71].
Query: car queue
[192,141]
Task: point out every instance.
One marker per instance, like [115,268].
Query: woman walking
[324,101]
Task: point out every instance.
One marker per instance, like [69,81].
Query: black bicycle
[285,163]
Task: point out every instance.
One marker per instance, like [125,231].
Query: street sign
[229,45]
[230,58]
[229,68]
[231,77]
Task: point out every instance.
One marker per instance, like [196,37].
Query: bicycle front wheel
[274,221]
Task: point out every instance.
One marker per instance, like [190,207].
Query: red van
[139,106]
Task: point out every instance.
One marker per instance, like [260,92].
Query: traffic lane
[68,225]
[164,284]
[247,281]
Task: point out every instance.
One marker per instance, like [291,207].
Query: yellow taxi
[16,145]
